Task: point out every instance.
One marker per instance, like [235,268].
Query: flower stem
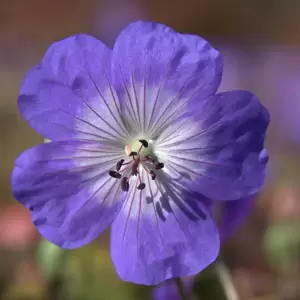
[226,281]
[180,289]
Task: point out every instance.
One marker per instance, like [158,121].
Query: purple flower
[139,141]
[231,216]
[169,291]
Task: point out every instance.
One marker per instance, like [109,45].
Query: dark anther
[159,166]
[144,143]
[125,184]
[119,164]
[150,158]
[141,186]
[132,153]
[134,171]
[153,175]
[115,174]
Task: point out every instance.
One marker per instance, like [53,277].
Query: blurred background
[260,42]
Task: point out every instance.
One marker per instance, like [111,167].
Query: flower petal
[219,148]
[66,186]
[69,94]
[233,214]
[161,233]
[168,290]
[157,71]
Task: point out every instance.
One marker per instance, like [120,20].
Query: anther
[119,164]
[134,171]
[144,143]
[125,184]
[159,166]
[115,174]
[141,186]
[153,175]
[133,153]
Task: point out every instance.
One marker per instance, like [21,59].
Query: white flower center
[141,155]
[144,150]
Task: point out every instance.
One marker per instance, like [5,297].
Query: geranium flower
[231,216]
[169,291]
[139,141]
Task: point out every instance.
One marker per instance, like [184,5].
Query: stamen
[119,164]
[148,162]
[159,166]
[141,186]
[144,143]
[115,174]
[153,175]
[122,170]
[125,184]
[135,165]
[140,180]
[146,169]
[140,149]
[149,158]
[133,153]
[139,158]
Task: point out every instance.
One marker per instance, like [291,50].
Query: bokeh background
[260,41]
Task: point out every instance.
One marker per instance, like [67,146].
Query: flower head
[233,214]
[139,140]
[230,217]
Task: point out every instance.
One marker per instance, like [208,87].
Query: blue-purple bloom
[231,216]
[140,140]
[169,291]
